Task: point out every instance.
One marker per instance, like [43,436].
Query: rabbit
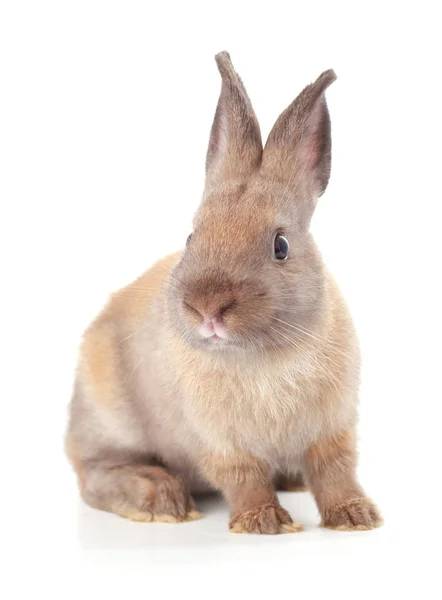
[233,365]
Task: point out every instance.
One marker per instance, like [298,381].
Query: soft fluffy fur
[160,412]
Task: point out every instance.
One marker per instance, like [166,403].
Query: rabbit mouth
[216,343]
[213,328]
[216,340]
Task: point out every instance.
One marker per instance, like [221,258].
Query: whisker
[330,376]
[134,369]
[325,341]
[135,332]
[317,350]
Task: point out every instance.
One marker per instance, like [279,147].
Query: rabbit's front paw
[356,515]
[269,518]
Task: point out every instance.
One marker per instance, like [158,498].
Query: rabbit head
[250,276]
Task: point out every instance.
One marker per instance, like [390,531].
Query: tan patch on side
[75,461]
[99,363]
[131,302]
[99,353]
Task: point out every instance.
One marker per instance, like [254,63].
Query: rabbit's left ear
[298,149]
[235,146]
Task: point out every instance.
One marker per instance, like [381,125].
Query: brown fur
[235,145]
[291,484]
[266,518]
[144,493]
[247,487]
[160,411]
[330,464]
[359,514]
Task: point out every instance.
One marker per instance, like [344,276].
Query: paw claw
[356,527]
[133,515]
[148,517]
[194,515]
[237,529]
[292,527]
[167,519]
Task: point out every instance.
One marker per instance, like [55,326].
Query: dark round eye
[281,247]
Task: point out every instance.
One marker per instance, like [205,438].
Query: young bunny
[232,365]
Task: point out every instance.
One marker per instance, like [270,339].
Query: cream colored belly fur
[272,414]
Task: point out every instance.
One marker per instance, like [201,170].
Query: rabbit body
[211,372]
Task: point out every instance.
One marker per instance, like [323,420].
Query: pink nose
[213,326]
[211,322]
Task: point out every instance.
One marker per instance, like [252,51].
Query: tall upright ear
[235,147]
[298,149]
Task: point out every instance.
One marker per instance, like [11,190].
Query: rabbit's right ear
[235,146]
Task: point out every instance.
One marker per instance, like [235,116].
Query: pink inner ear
[312,143]
[311,152]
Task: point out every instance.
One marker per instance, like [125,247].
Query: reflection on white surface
[98,529]
[202,556]
[208,540]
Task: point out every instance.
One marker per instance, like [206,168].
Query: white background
[105,111]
